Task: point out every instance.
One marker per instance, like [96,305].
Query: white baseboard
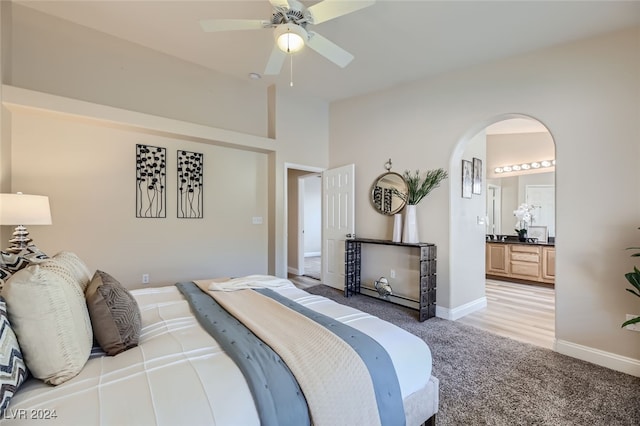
[293,271]
[313,254]
[460,311]
[596,356]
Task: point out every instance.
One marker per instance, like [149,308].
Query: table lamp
[23,209]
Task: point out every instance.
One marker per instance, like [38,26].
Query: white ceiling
[393,41]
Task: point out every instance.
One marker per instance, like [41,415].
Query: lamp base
[20,240]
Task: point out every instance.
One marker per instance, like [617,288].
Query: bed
[179,374]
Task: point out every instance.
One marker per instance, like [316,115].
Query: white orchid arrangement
[524,214]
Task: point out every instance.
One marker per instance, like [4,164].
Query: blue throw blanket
[278,397]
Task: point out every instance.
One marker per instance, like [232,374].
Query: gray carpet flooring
[487,379]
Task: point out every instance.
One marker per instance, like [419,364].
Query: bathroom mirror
[385,193]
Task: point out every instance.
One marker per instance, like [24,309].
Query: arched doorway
[515,145]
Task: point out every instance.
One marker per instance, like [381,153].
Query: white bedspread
[179,375]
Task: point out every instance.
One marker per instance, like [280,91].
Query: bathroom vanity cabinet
[534,262]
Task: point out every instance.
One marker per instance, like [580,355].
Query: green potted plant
[418,187]
[634,279]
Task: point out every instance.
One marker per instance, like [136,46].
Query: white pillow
[49,315]
[69,264]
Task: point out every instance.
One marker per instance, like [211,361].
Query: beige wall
[54,56]
[467,238]
[5,120]
[588,95]
[302,131]
[88,172]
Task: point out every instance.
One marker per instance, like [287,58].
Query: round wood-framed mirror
[389,193]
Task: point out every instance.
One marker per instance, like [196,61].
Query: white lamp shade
[290,38]
[24,209]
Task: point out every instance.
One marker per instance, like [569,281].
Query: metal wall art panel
[190,185]
[151,175]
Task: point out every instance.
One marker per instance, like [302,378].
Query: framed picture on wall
[539,232]
[467,178]
[477,176]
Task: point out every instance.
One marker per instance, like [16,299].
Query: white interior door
[338,217]
[494,208]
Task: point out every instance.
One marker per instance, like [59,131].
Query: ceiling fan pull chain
[291,70]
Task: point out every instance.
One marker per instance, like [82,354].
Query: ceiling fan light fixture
[290,38]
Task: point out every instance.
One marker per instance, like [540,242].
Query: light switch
[257,220]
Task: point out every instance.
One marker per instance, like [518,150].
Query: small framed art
[467,179]
[477,176]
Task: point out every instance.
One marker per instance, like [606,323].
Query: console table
[427,302]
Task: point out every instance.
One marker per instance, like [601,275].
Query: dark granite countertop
[513,239]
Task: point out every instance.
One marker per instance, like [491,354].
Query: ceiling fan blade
[275,61]
[212,25]
[329,50]
[330,9]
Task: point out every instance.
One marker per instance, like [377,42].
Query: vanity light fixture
[525,166]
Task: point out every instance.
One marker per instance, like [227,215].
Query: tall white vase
[410,232]
[397,228]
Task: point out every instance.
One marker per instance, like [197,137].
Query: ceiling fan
[289,22]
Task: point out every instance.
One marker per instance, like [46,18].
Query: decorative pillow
[50,318]
[13,262]
[74,270]
[12,368]
[114,312]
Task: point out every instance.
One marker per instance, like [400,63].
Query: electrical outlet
[632,327]
[145,278]
[393,273]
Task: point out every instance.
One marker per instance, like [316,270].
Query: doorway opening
[304,224]
[519,168]
[310,225]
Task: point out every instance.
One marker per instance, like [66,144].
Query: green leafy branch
[418,187]
[634,280]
